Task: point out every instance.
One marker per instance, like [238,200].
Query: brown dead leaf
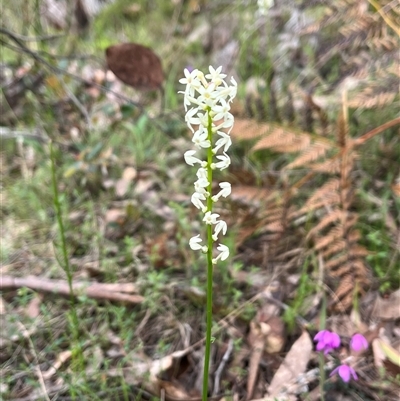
[33,308]
[173,390]
[135,65]
[122,185]
[294,364]
[117,216]
[387,309]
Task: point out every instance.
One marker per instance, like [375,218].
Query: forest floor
[94,189]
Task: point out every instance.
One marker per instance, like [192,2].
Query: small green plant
[66,266]
[304,289]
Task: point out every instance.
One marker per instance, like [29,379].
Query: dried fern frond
[336,215]
[282,140]
[328,191]
[311,154]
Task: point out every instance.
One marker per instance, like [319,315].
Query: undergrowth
[327,219]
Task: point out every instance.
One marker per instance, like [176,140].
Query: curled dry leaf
[135,65]
[294,365]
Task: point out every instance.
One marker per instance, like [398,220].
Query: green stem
[74,325]
[209,265]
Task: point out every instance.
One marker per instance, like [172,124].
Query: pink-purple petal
[345,372]
[335,340]
[358,343]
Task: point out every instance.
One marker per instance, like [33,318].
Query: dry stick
[37,367]
[109,292]
[221,367]
[78,104]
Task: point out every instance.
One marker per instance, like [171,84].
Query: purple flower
[345,372]
[327,341]
[358,343]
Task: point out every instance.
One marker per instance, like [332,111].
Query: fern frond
[336,247]
[283,141]
[311,154]
[328,190]
[329,238]
[327,220]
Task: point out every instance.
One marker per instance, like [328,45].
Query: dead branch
[109,292]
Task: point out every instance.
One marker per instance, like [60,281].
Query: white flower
[215,75]
[201,77]
[220,226]
[196,199]
[200,184]
[227,91]
[224,162]
[210,218]
[264,6]
[194,244]
[225,191]
[221,110]
[191,160]
[225,142]
[202,173]
[190,119]
[228,123]
[208,95]
[224,253]
[200,138]
[191,80]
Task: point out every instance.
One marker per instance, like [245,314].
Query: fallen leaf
[294,365]
[135,65]
[33,308]
[122,185]
[387,309]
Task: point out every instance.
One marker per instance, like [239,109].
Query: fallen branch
[110,292]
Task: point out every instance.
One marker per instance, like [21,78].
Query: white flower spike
[207,99]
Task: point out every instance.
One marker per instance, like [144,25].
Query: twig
[30,38]
[7,133]
[221,367]
[78,104]
[34,354]
[101,291]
